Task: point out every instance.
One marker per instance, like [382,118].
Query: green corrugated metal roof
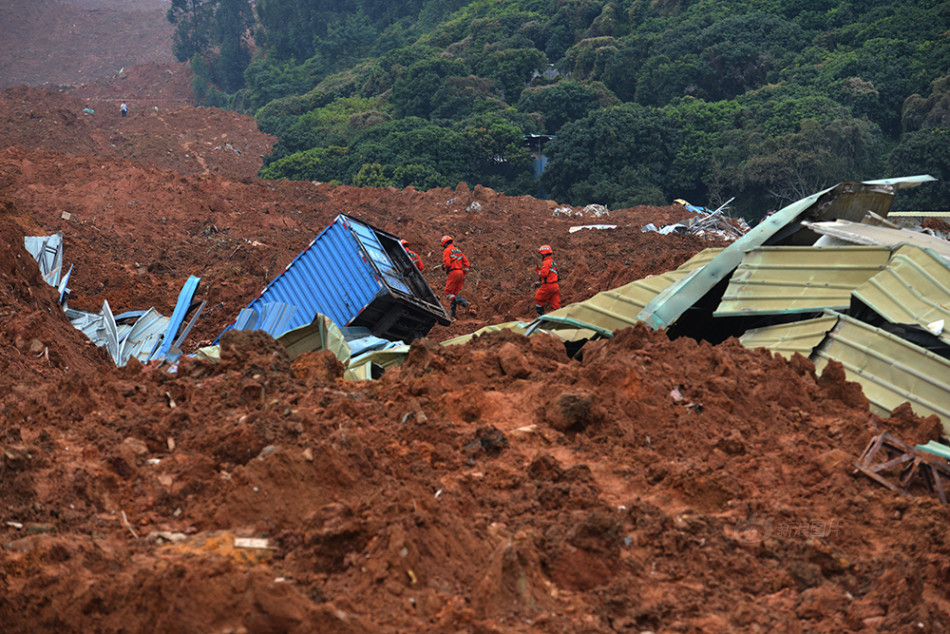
[320,334]
[891,370]
[618,308]
[777,280]
[913,289]
[787,339]
[849,200]
[360,368]
[576,329]
[517,326]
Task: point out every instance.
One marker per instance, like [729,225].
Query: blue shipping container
[356,275]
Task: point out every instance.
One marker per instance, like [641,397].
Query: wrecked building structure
[355,274]
[875,299]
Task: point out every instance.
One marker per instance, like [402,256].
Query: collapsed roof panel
[182,308]
[903,182]
[141,334]
[890,369]
[848,200]
[48,253]
[320,334]
[860,233]
[783,280]
[618,308]
[913,289]
[787,339]
[144,337]
[370,365]
[515,326]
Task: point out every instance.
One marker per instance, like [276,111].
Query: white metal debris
[577,228]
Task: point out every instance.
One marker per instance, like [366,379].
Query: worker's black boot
[452,310]
[540,310]
[462,302]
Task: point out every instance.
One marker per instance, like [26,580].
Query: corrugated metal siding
[330,276]
[48,253]
[618,308]
[859,233]
[178,316]
[846,200]
[913,289]
[891,370]
[144,337]
[516,326]
[776,280]
[320,334]
[787,339]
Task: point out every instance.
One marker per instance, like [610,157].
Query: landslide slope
[69,42]
[649,485]
[498,486]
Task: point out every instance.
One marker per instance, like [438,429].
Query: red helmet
[446,240]
[404,243]
[545,249]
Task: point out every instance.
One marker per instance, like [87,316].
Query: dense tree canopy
[647,101]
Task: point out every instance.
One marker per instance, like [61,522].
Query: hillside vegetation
[648,101]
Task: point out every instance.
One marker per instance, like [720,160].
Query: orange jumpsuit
[415,259]
[456,264]
[550,292]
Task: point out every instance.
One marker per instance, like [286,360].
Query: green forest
[646,101]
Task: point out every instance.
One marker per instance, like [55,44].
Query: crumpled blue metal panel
[178,316]
[272,318]
[362,340]
[143,337]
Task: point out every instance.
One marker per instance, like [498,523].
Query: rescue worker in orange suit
[549,292]
[456,265]
[412,254]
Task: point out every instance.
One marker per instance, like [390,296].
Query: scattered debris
[577,228]
[252,542]
[906,464]
[145,335]
[713,225]
[125,522]
[598,211]
[167,537]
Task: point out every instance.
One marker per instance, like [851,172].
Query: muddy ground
[646,485]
